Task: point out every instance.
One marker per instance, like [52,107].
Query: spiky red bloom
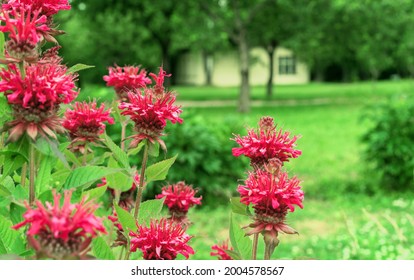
[62,232]
[272,197]
[86,122]
[150,110]
[125,79]
[36,98]
[163,240]
[25,31]
[179,197]
[266,143]
[221,249]
[46,7]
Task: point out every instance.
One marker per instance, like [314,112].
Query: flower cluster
[221,251]
[35,97]
[126,79]
[268,188]
[163,240]
[150,109]
[46,7]
[85,123]
[179,198]
[62,232]
[266,143]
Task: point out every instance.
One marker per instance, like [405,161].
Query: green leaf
[95,193]
[126,219]
[120,180]
[240,242]
[20,193]
[118,153]
[2,40]
[238,207]
[16,213]
[137,149]
[154,149]
[8,236]
[86,175]
[234,255]
[44,175]
[3,249]
[72,158]
[101,250]
[159,170]
[12,161]
[78,67]
[150,209]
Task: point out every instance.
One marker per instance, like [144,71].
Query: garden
[134,166]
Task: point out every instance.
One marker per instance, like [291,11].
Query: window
[287,65]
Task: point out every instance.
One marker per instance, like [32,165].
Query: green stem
[123,132]
[255,242]
[121,253]
[24,174]
[141,181]
[22,69]
[32,171]
[85,154]
[268,252]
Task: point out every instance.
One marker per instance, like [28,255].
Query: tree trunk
[207,67]
[244,98]
[271,54]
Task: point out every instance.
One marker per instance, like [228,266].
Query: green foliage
[390,142]
[240,242]
[10,240]
[150,209]
[126,220]
[79,67]
[101,250]
[86,175]
[159,170]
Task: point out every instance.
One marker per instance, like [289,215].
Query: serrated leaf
[238,207]
[95,193]
[150,209]
[44,175]
[79,67]
[8,236]
[120,180]
[239,241]
[86,175]
[126,219]
[159,170]
[101,250]
[137,149]
[118,153]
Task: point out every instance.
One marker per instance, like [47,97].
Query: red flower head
[266,143]
[221,251]
[272,196]
[26,30]
[62,232]
[163,240]
[150,112]
[179,198]
[86,122]
[46,7]
[36,98]
[125,79]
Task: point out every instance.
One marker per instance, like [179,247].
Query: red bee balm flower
[62,232]
[272,197]
[36,98]
[266,143]
[86,122]
[163,240]
[150,112]
[125,79]
[25,30]
[221,253]
[179,198]
[47,7]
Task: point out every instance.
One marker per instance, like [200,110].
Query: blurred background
[337,72]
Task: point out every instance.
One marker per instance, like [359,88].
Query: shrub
[390,142]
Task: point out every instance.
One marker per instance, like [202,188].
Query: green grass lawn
[339,220]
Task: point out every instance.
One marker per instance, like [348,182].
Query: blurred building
[223,68]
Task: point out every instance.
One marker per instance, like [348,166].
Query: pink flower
[125,79]
[46,7]
[266,143]
[150,112]
[272,196]
[163,240]
[62,232]
[25,31]
[221,251]
[36,98]
[86,122]
[179,197]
